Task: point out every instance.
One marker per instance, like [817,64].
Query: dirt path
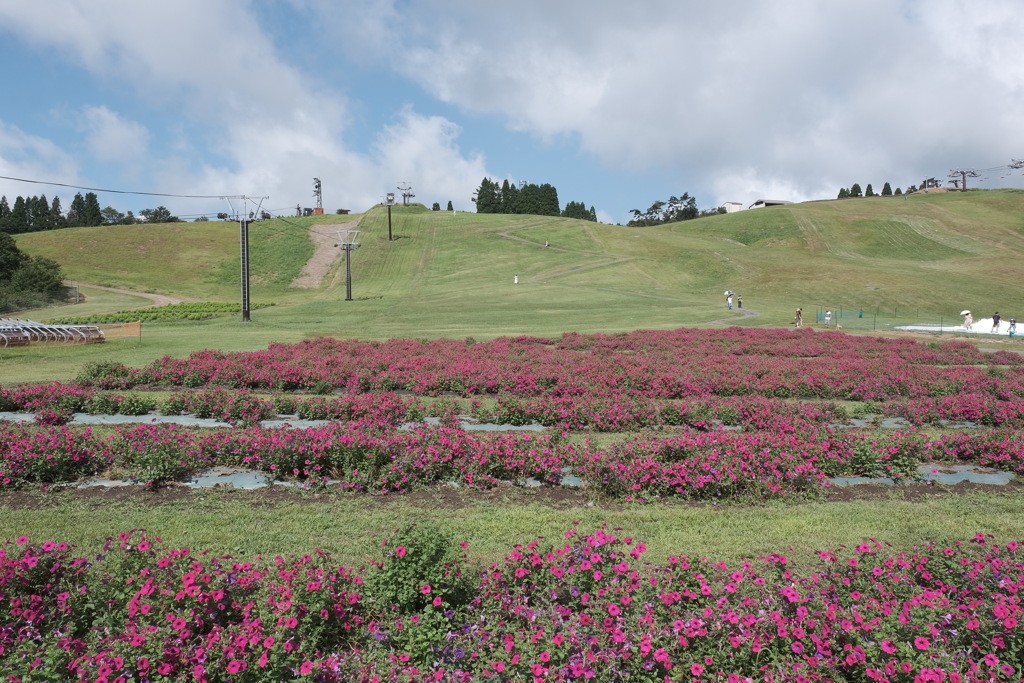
[157,299]
[324,237]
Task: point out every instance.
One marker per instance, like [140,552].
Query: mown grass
[351,527]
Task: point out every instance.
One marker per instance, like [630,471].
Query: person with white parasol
[968,320]
[728,298]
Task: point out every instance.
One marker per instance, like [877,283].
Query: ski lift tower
[406,193]
[390,201]
[347,241]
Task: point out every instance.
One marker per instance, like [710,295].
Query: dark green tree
[450,207]
[436,206]
[92,215]
[56,215]
[5,213]
[855,190]
[11,258]
[38,274]
[487,198]
[576,210]
[507,198]
[17,222]
[886,189]
[869,191]
[898,192]
[76,211]
[843,193]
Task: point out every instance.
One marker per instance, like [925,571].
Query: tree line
[37,213]
[887,191]
[535,200]
[674,210]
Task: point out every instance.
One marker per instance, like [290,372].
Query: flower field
[585,608]
[698,415]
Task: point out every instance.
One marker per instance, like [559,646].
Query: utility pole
[318,194]
[964,174]
[390,200]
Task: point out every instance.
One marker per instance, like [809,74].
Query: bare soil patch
[324,237]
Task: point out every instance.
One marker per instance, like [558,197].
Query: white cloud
[807,94]
[30,157]
[112,138]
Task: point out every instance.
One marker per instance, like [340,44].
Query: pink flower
[921,643]
[400,551]
[426,589]
[696,669]
[306,667]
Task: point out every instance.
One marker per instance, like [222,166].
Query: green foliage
[886,189]
[436,207]
[161,314]
[11,258]
[676,209]
[536,200]
[153,462]
[160,214]
[869,191]
[855,190]
[843,193]
[419,564]
[580,211]
[38,274]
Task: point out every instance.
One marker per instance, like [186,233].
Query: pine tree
[869,192]
[56,214]
[506,198]
[92,214]
[886,189]
[18,220]
[843,193]
[5,213]
[855,190]
[487,200]
[450,207]
[435,207]
[76,212]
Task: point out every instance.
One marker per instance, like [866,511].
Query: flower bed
[586,608]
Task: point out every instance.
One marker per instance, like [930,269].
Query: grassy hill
[451,275]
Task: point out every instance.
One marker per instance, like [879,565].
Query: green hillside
[448,275]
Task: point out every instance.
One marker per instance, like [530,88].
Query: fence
[882,319]
[122,330]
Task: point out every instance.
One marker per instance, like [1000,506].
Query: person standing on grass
[728,301]
[995,322]
[799,317]
[739,301]
[968,321]
[828,318]
[1013,328]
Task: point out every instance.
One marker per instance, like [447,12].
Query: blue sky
[615,104]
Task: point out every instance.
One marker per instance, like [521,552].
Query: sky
[617,105]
